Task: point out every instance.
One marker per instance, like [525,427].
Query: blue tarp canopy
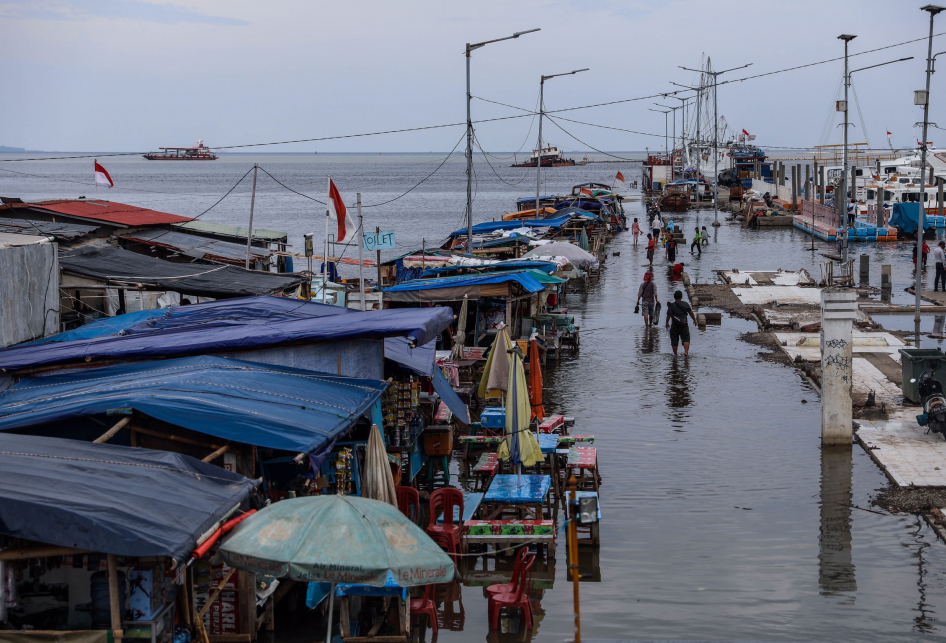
[906,217]
[493,226]
[455,288]
[103,327]
[515,264]
[231,325]
[111,499]
[266,406]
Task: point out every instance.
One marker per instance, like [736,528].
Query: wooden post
[117,633]
[794,187]
[378,263]
[807,191]
[821,180]
[108,435]
[216,454]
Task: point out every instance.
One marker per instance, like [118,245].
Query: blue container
[871,230]
[882,232]
[873,238]
[493,417]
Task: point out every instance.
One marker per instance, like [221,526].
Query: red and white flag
[889,134]
[587,191]
[102,177]
[619,177]
[339,213]
[745,132]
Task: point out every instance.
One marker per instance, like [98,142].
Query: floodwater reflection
[835,568]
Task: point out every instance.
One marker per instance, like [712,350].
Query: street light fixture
[660,111]
[672,155]
[469,135]
[683,123]
[538,154]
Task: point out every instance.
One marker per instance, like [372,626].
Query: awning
[117,266]
[422,360]
[111,499]
[263,405]
[472,286]
[232,325]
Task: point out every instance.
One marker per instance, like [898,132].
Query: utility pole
[842,204]
[538,157]
[249,232]
[716,75]
[361,255]
[923,98]
[469,138]
[660,111]
[674,139]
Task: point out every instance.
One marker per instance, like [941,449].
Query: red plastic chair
[407,500]
[506,588]
[425,605]
[518,598]
[446,534]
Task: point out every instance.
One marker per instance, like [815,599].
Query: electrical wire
[486,158]
[553,121]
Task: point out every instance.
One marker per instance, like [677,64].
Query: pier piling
[838,309]
[865,268]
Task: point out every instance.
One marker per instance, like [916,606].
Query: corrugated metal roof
[231,230]
[11,240]
[198,247]
[61,231]
[109,211]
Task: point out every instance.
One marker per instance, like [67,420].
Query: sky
[134,75]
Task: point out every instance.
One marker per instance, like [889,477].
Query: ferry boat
[199,152]
[551,157]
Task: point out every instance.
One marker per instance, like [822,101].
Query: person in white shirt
[939,258]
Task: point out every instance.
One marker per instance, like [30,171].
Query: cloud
[138,10]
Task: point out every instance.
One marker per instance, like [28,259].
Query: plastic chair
[506,588]
[447,534]
[425,605]
[408,499]
[518,598]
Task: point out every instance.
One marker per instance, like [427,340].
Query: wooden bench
[552,423]
[504,534]
[484,470]
[585,460]
[480,442]
[568,440]
[443,414]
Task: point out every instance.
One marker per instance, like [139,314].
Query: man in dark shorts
[677,312]
[651,246]
[647,292]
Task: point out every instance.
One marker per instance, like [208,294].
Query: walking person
[656,225]
[671,250]
[926,253]
[636,229]
[677,312]
[647,292]
[939,258]
[651,246]
[697,241]
[704,236]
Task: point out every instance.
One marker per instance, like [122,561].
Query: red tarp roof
[111,212]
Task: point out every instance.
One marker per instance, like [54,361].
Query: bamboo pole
[216,454]
[108,435]
[25,553]
[117,632]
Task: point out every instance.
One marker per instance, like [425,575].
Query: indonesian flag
[102,177]
[339,213]
[745,132]
[620,177]
[889,134]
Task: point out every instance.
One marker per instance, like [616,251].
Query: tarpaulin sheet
[524,279]
[102,327]
[906,216]
[111,499]
[266,406]
[500,266]
[237,324]
[115,265]
[493,226]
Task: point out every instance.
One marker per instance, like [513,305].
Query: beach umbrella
[519,444]
[535,381]
[336,539]
[460,338]
[495,378]
[378,483]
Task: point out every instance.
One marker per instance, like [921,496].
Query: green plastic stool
[444,465]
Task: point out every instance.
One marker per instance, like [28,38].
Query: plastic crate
[913,363]
[493,417]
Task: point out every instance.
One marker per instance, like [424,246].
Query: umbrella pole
[331,607]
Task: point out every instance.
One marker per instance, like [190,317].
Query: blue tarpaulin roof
[111,499]
[906,216]
[515,264]
[103,327]
[235,324]
[493,226]
[461,282]
[258,404]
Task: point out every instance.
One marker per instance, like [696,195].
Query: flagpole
[249,232]
[361,260]
[325,252]
[95,162]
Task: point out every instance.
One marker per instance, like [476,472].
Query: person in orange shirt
[651,246]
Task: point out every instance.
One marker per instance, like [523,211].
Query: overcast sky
[129,75]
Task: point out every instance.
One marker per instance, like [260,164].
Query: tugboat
[551,157]
[199,152]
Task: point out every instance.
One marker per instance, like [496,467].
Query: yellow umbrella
[519,444]
[495,378]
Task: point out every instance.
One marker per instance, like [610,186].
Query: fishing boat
[199,152]
[551,157]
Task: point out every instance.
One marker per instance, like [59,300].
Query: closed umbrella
[378,483]
[460,338]
[535,381]
[495,378]
[337,539]
[583,240]
[519,445]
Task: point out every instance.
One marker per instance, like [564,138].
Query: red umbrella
[535,382]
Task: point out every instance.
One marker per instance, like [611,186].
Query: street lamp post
[538,157]
[923,98]
[660,111]
[469,136]
[683,125]
[841,204]
[674,139]
[715,75]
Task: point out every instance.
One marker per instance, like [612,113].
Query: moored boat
[551,156]
[199,152]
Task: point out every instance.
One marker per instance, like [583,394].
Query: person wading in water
[677,312]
